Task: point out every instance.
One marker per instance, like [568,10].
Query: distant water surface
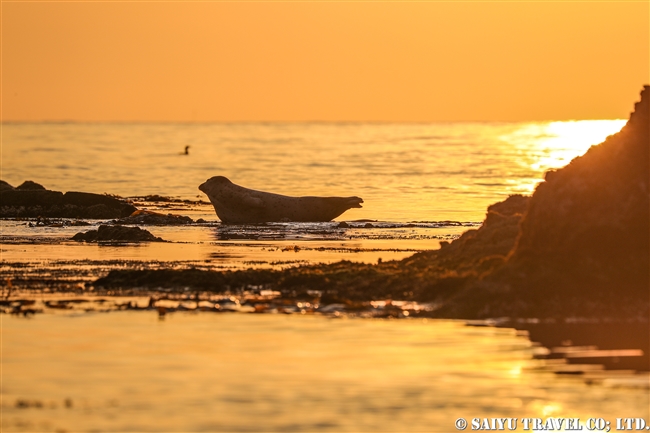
[404,172]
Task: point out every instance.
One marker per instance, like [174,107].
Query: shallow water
[230,246]
[130,371]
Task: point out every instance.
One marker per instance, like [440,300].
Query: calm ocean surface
[404,172]
[129,371]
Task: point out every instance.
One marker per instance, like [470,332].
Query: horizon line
[286,122]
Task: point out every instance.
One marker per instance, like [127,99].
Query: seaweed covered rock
[145,217]
[480,250]
[213,281]
[168,278]
[30,200]
[116,233]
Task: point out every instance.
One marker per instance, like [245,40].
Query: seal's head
[214,184]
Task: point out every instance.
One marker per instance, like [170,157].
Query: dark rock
[4,186]
[196,278]
[480,250]
[98,206]
[116,233]
[32,201]
[142,217]
[587,228]
[30,198]
[157,198]
[47,222]
[89,199]
[28,185]
[99,211]
[343,225]
[583,247]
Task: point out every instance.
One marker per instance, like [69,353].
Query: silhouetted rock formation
[217,282]
[4,186]
[116,233]
[143,217]
[29,185]
[587,228]
[32,200]
[584,243]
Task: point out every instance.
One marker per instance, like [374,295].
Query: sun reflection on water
[515,371]
[551,409]
[551,145]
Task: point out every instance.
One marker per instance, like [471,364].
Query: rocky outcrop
[145,217]
[29,185]
[31,200]
[479,251]
[583,247]
[116,234]
[587,228]
[4,186]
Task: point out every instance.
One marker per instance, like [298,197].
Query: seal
[235,204]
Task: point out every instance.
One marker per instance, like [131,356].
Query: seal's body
[235,204]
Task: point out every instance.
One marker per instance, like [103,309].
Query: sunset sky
[323,61]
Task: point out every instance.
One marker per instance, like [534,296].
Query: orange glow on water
[126,371]
[547,146]
[566,140]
